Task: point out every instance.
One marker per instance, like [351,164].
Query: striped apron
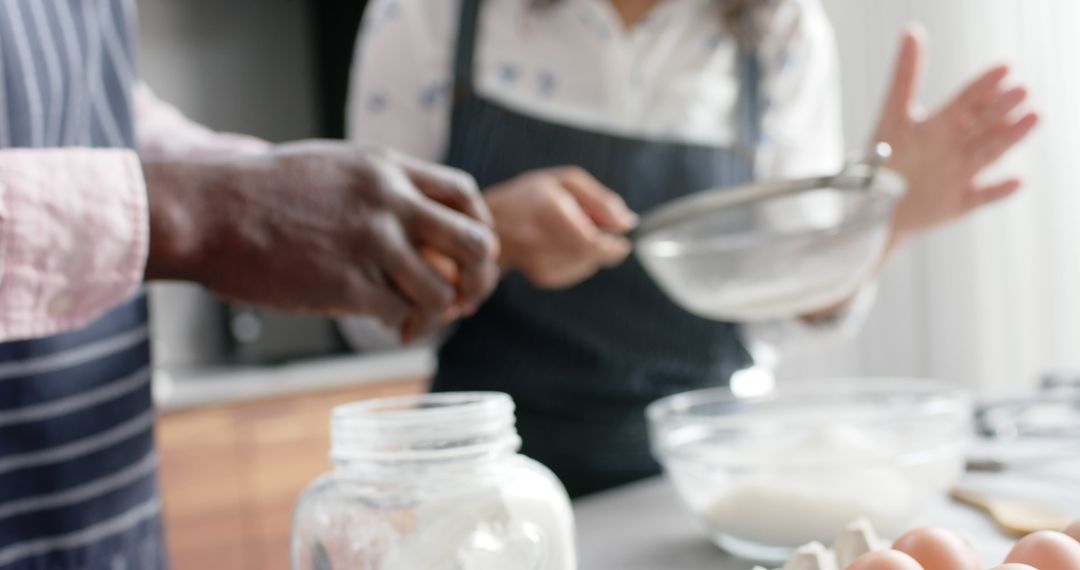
[582,363]
[77,462]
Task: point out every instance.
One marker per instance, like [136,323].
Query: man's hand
[942,154]
[325,227]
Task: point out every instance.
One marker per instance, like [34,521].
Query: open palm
[942,154]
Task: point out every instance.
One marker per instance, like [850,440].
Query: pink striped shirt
[74,223]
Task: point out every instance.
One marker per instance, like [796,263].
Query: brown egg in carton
[859,548]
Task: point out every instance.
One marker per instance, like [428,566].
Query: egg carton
[856,539]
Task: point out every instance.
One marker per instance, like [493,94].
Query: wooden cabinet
[231,474]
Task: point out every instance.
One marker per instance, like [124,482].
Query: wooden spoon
[1015,518]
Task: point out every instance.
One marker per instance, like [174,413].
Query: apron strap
[465,52]
[750,107]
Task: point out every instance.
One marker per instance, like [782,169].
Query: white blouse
[673,76]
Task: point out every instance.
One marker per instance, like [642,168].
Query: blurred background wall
[272,68]
[993,302]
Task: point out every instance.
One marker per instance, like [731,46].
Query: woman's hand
[559,226]
[942,154]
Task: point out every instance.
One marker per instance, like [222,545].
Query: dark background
[335,23]
[277,69]
[283,337]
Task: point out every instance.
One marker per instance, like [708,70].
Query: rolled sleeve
[73,237]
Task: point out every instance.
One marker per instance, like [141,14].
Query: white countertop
[180,389]
[644,526]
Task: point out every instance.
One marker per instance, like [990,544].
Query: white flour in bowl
[821,482]
[788,513]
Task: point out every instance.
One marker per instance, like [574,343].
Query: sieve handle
[691,207]
[875,160]
[860,175]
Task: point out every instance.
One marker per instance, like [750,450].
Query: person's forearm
[175,211]
[198,208]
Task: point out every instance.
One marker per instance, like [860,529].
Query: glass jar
[432,482]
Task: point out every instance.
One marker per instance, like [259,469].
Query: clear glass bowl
[754,259]
[766,474]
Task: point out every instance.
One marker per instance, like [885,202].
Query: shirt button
[61,303]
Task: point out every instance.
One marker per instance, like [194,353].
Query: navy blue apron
[582,363]
[77,461]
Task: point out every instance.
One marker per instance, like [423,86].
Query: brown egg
[938,549]
[443,265]
[1074,530]
[448,269]
[1047,550]
[885,560]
